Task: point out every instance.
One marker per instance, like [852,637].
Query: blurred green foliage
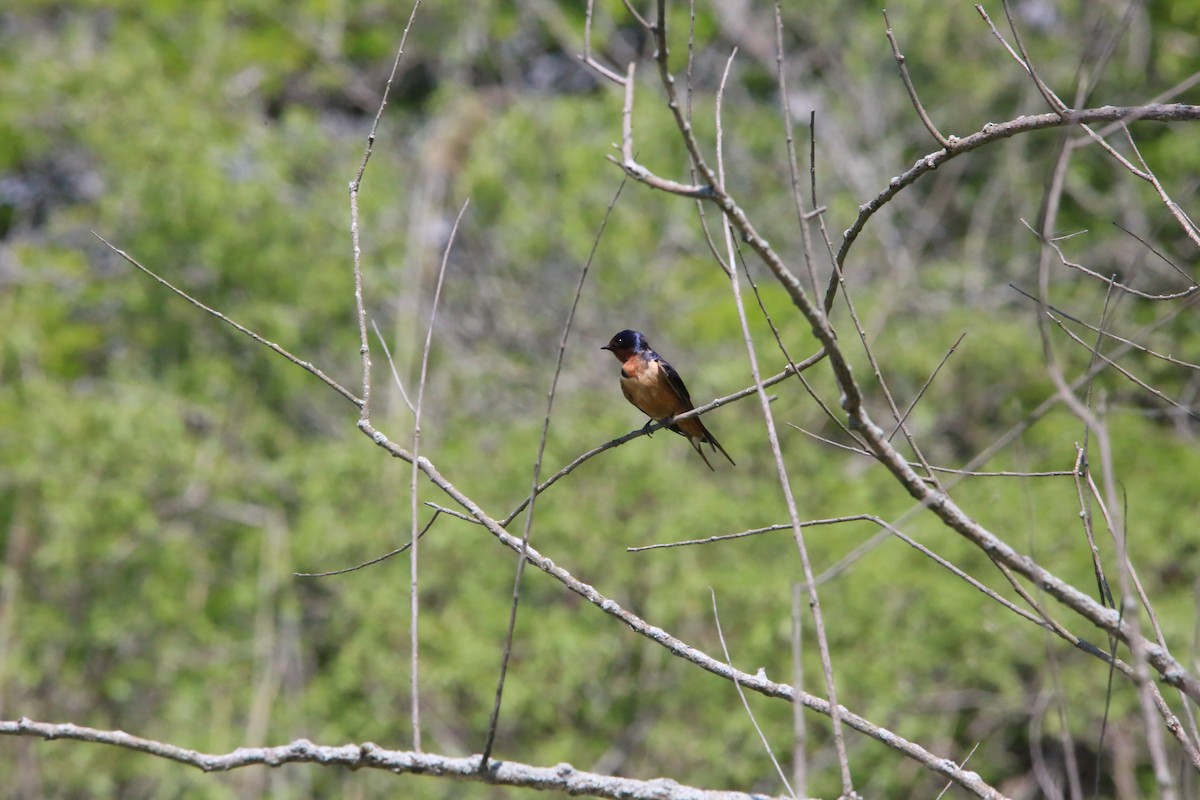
[164,476]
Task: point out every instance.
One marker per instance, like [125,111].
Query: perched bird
[656,389]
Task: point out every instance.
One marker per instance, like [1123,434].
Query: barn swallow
[655,388]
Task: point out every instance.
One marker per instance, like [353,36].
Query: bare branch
[757,682]
[991,132]
[560,778]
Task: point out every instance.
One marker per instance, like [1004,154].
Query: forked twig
[586,58]
[1133,378]
[1110,280]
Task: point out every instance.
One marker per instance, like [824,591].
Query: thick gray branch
[559,778]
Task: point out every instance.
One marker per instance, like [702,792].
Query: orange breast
[645,385]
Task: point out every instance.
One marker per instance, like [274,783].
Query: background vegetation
[163,477]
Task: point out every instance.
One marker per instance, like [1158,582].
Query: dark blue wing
[675,381]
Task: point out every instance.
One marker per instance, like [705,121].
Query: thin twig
[1175,267]
[912,90]
[782,526]
[636,14]
[355,243]
[773,434]
[762,737]
[387,352]
[1135,379]
[1110,335]
[330,382]
[762,306]
[1147,174]
[375,560]
[1051,98]
[877,370]
[414,498]
[1110,280]
[799,726]
[962,763]
[1089,535]
[785,102]
[387,90]
[494,720]
[925,385]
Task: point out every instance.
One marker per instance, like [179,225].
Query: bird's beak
[606,347]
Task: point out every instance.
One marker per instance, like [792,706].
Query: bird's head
[625,344]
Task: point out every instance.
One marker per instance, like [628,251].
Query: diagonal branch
[757,682]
